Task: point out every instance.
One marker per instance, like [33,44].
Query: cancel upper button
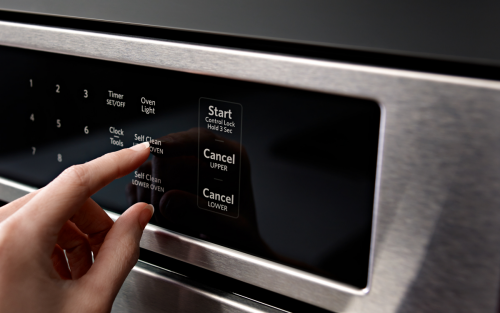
[219,157]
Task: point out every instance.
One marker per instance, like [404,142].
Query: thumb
[119,253]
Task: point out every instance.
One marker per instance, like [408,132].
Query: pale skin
[35,229]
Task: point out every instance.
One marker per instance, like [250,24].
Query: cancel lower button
[219,202]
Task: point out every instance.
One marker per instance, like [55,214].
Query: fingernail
[140,147]
[146,215]
[151,208]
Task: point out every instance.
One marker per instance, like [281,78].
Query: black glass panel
[287,175]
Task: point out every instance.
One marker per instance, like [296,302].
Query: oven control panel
[283,174]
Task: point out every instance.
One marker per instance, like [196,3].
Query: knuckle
[129,251]
[129,246]
[132,256]
[77,176]
[97,238]
[73,241]
[81,240]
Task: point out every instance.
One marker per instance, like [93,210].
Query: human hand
[34,230]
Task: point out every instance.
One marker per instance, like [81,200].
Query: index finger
[47,212]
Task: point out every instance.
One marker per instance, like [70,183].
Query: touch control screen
[283,174]
[219,156]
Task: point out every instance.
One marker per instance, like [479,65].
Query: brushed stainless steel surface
[10,190]
[463,30]
[151,289]
[436,238]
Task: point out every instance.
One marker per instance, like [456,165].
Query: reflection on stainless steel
[242,266]
[10,190]
[150,289]
[437,219]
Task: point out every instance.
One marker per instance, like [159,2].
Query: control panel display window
[219,156]
[283,174]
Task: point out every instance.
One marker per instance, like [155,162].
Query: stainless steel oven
[283,179]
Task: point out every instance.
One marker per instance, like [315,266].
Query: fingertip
[146,215]
[140,147]
[120,250]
